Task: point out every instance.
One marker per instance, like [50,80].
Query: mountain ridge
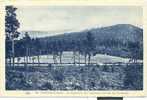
[61,33]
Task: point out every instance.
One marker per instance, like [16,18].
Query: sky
[60,19]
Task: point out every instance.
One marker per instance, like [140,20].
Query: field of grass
[88,77]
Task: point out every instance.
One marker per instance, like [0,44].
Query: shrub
[46,86]
[133,77]
[58,75]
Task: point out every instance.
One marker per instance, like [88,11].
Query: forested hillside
[121,40]
[118,40]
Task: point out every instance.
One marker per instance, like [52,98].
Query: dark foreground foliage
[89,77]
[134,77]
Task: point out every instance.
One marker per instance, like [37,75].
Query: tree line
[28,47]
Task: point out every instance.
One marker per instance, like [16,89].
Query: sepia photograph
[70,48]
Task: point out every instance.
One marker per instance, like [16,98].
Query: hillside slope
[117,40]
[123,40]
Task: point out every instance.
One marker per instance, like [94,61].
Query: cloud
[55,18]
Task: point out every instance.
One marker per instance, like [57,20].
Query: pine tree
[27,42]
[38,49]
[90,45]
[11,26]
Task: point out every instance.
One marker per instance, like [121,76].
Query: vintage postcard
[73,48]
